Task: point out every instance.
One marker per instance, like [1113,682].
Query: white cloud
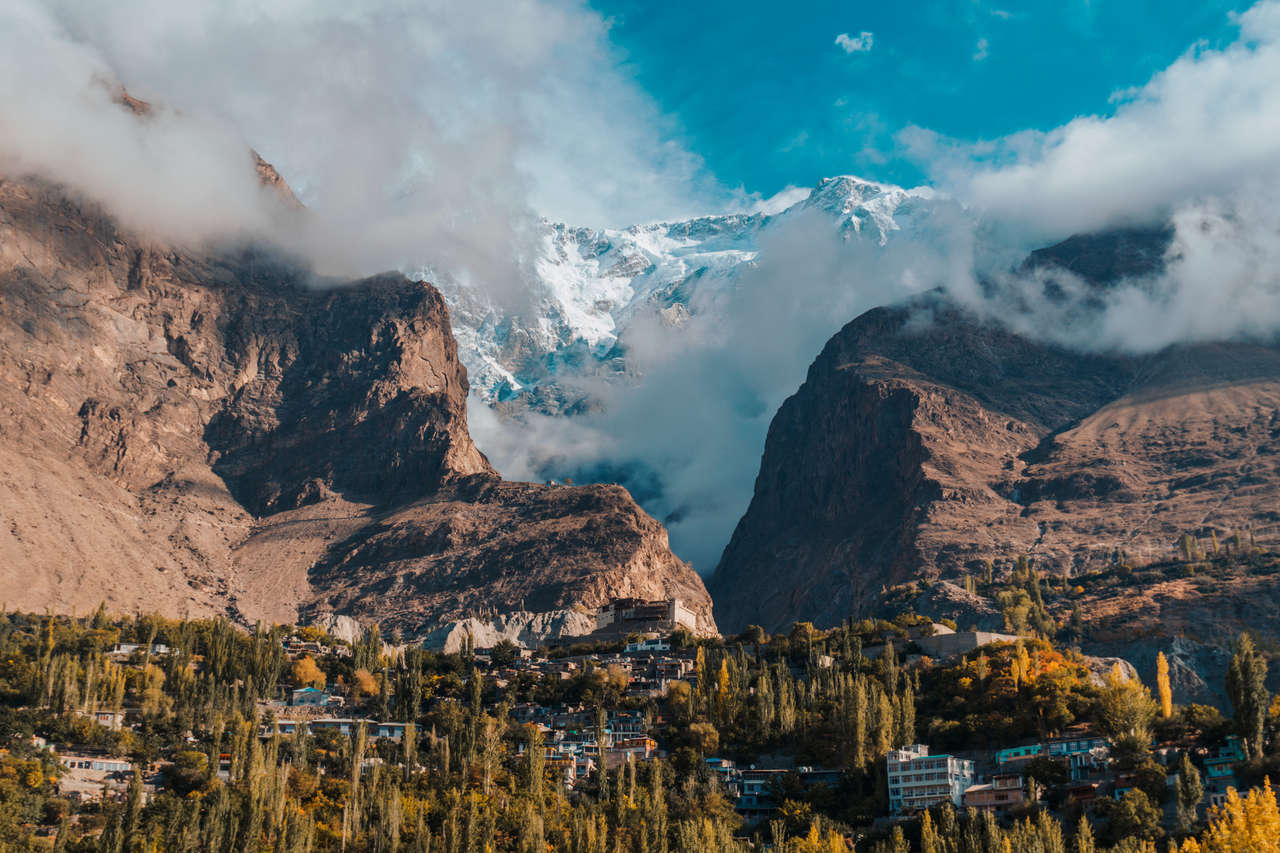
[423,132]
[1207,124]
[779,201]
[981,50]
[861,43]
[689,425]
[1197,146]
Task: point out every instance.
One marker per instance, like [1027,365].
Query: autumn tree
[1083,841]
[306,673]
[1250,823]
[1163,690]
[705,738]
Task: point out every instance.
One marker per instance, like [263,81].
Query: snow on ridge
[588,285]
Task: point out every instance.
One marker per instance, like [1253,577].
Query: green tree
[1246,688]
[1126,712]
[504,653]
[1133,816]
[1189,792]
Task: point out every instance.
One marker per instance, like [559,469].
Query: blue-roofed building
[1011,754]
[1220,770]
[309,697]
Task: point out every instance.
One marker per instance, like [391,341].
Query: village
[645,661]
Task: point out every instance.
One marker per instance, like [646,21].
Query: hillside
[919,449]
[208,432]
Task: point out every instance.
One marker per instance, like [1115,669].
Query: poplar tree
[1162,686]
[1246,688]
[1190,790]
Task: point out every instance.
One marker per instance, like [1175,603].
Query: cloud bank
[1207,125]
[1198,146]
[435,134]
[686,435]
[413,131]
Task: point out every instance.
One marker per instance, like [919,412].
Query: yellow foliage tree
[366,684]
[1250,823]
[306,673]
[1162,686]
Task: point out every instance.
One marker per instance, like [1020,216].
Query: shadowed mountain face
[925,442]
[204,433]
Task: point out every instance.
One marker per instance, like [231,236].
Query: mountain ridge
[192,433]
[928,442]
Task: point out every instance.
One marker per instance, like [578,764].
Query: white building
[648,644]
[918,780]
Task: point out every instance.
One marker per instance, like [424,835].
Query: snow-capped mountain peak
[589,285]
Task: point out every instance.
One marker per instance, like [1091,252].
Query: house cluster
[576,744]
[1001,781]
[753,789]
[937,641]
[345,726]
[89,776]
[998,781]
[648,662]
[122,652]
[296,647]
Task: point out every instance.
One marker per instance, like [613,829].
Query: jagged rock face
[482,545]
[523,628]
[917,450]
[195,434]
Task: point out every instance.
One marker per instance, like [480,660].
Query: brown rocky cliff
[925,442]
[200,433]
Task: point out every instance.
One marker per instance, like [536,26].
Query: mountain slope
[205,433]
[591,289]
[920,448]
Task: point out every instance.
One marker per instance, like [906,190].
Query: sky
[775,94]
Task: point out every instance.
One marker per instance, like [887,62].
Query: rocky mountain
[590,288]
[926,441]
[209,432]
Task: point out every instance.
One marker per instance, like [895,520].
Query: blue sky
[762,92]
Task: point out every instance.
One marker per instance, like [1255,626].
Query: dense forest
[215,771]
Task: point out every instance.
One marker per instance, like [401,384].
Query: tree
[1190,790]
[1251,823]
[1125,712]
[1162,686]
[930,841]
[705,738]
[1134,816]
[188,772]
[1246,688]
[504,653]
[366,684]
[306,673]
[1083,841]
